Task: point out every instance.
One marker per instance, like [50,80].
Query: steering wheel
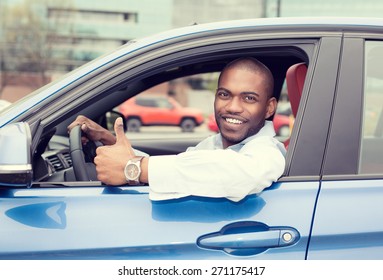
[84,170]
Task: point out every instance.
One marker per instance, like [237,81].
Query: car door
[349,212]
[76,220]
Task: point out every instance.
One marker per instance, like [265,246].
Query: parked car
[282,124]
[328,204]
[159,110]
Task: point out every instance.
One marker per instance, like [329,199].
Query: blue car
[327,205]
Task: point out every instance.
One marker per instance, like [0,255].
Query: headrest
[295,79]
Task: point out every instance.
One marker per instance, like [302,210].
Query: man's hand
[92,131]
[111,160]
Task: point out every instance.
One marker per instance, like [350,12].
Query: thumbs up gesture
[111,160]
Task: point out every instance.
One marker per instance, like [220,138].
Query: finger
[71,126]
[79,120]
[119,130]
[84,128]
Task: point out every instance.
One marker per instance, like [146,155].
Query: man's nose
[234,105]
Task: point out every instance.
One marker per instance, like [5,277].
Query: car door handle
[243,238]
[269,239]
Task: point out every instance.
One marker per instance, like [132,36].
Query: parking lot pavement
[163,132]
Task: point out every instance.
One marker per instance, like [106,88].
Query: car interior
[52,161]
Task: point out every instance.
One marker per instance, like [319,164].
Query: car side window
[371,153]
[164,103]
[146,102]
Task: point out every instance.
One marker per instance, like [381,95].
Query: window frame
[311,127]
[342,155]
[308,48]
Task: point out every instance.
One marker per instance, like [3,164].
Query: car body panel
[52,223]
[347,221]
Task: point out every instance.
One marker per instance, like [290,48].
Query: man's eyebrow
[251,92]
[243,92]
[222,88]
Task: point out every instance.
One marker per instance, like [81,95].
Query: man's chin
[232,139]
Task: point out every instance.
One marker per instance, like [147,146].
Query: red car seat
[295,79]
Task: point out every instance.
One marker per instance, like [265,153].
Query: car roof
[288,23]
[282,23]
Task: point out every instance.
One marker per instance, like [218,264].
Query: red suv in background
[159,110]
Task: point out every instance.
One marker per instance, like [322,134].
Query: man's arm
[208,173]
[216,173]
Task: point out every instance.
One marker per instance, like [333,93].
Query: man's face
[241,105]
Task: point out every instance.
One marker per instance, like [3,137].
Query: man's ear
[271,107]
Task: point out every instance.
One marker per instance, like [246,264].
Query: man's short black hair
[253,65]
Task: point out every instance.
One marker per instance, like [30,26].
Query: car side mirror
[15,155]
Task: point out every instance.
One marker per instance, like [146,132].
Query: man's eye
[222,94]
[250,98]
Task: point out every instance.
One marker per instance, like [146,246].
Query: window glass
[371,155]
[146,102]
[163,103]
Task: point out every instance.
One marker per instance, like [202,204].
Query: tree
[31,30]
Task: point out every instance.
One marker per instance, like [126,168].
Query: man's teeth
[235,121]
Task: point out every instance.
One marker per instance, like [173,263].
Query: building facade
[47,39]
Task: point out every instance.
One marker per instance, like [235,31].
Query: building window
[92,15]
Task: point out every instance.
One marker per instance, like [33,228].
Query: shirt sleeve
[216,173]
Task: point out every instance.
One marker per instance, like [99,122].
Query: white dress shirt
[209,170]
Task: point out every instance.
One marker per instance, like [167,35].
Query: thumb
[119,130]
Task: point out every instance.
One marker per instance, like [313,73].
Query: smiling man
[244,158]
[243,100]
